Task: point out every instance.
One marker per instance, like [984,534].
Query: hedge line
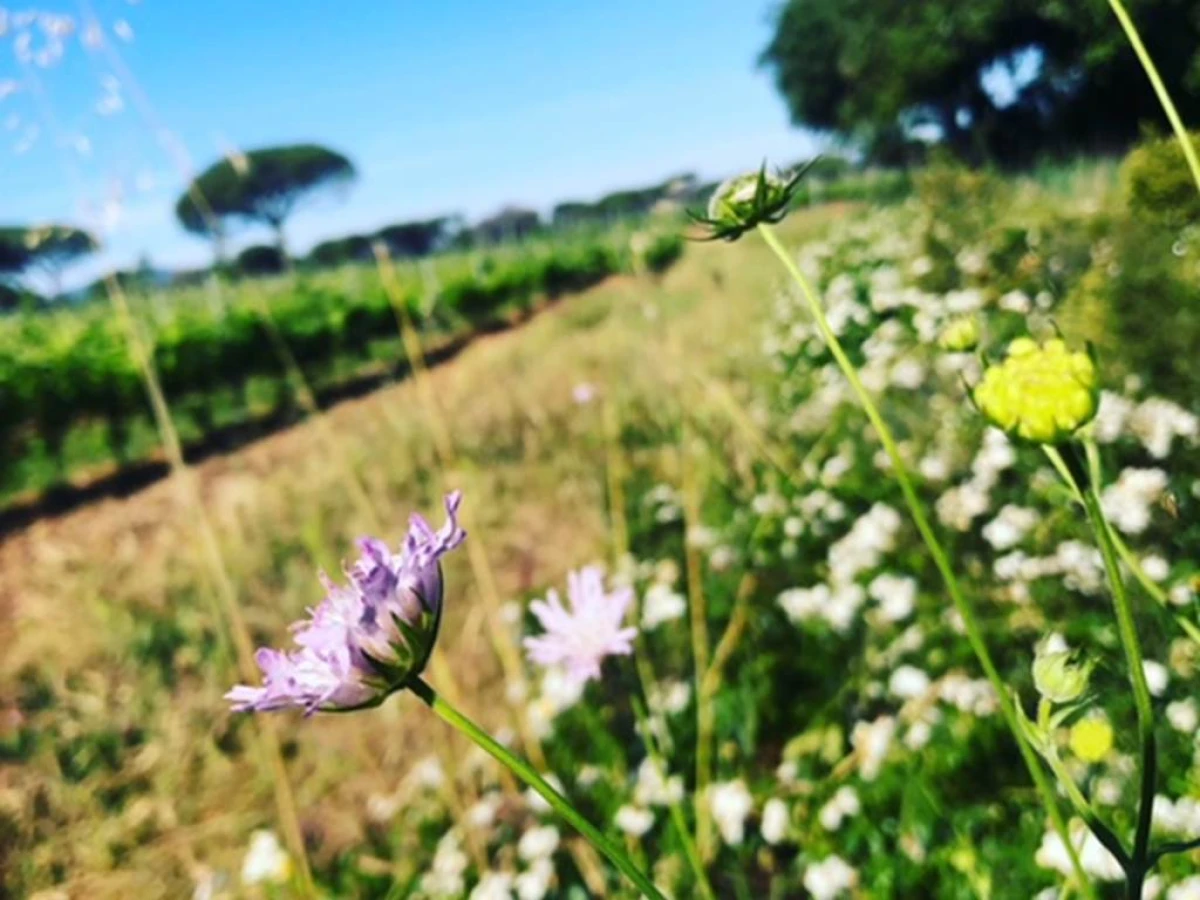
[59,370]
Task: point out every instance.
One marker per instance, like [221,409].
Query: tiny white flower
[493,886]
[634,820]
[1010,526]
[775,821]
[1183,716]
[538,843]
[1129,501]
[871,742]
[656,788]
[1095,859]
[908,682]
[1188,889]
[534,883]
[830,878]
[895,594]
[1157,422]
[536,801]
[1157,676]
[844,804]
[266,861]
[429,773]
[721,558]
[730,803]
[482,813]
[670,697]
[661,604]
[1156,568]
[1016,301]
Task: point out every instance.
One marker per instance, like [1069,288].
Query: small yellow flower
[960,335]
[1040,392]
[1092,739]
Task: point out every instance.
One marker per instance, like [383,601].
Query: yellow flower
[960,335]
[1092,739]
[1040,392]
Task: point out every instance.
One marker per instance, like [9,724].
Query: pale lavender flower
[365,638]
[579,638]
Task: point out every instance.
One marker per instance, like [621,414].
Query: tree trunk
[281,244]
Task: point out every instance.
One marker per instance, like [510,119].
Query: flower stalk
[522,770]
[921,520]
[1126,629]
[1160,89]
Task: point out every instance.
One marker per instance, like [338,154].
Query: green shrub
[63,370]
[1158,183]
[1154,302]
[662,252]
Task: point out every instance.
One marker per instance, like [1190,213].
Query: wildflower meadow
[830,530]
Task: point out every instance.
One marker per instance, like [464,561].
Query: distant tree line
[266,187]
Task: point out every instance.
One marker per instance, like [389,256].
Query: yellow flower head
[960,335]
[1092,739]
[1040,392]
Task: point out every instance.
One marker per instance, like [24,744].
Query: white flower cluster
[960,506]
[1129,500]
[1080,565]
[861,549]
[830,878]
[731,804]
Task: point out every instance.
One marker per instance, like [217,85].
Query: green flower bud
[746,201]
[960,335]
[1060,676]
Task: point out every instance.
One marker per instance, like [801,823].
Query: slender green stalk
[706,721]
[1160,89]
[642,665]
[678,821]
[611,424]
[1083,807]
[529,775]
[1141,690]
[229,613]
[1127,556]
[921,520]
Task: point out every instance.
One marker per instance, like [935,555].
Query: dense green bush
[1158,183]
[60,370]
[881,186]
[261,259]
[662,251]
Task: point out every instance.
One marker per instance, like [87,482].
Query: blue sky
[444,105]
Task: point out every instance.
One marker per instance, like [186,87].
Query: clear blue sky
[444,105]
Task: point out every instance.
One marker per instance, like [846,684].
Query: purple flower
[580,638]
[365,638]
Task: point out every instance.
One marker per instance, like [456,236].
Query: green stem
[678,820]
[1141,690]
[1083,807]
[1160,89]
[526,773]
[1157,594]
[698,617]
[921,520]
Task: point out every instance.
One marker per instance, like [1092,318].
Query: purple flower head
[579,638]
[365,639]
